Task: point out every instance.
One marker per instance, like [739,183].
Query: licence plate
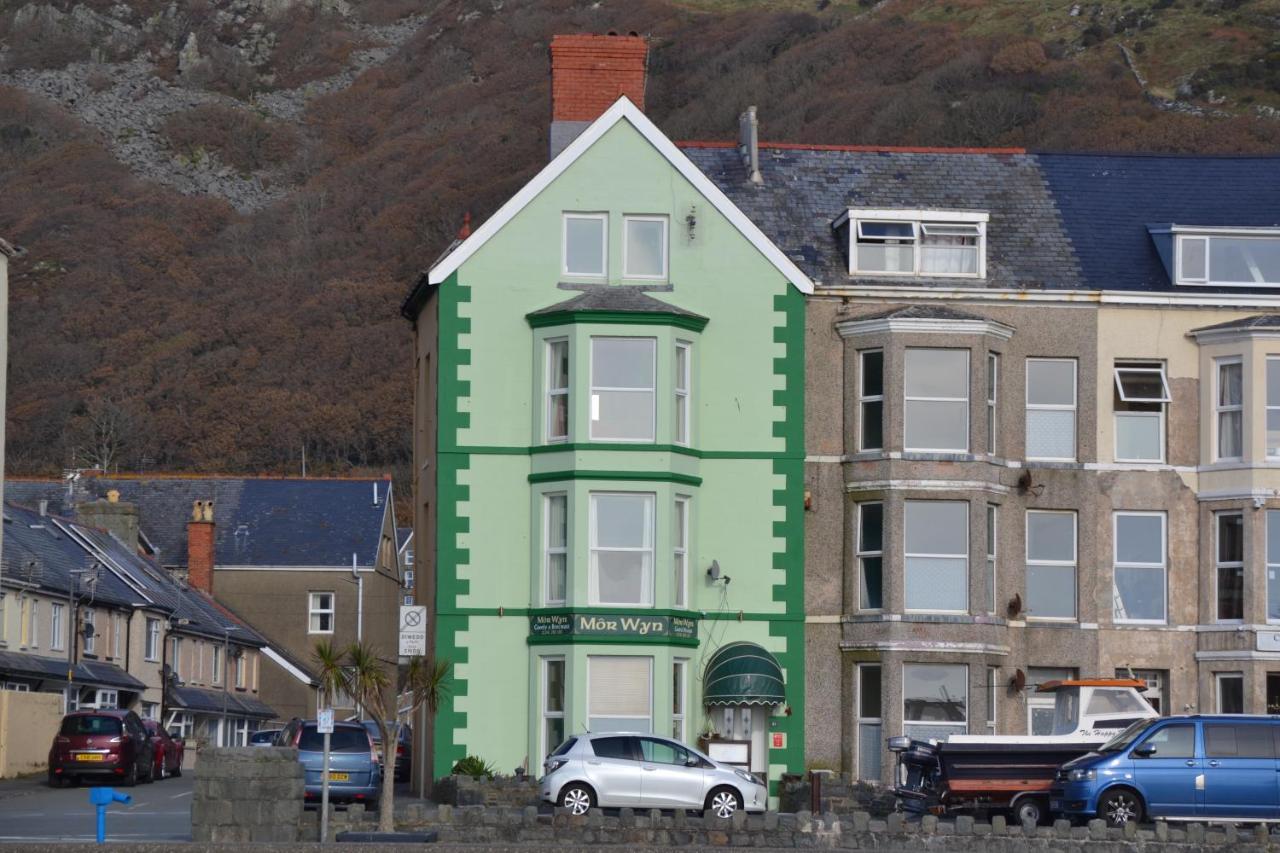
[339,777]
[87,756]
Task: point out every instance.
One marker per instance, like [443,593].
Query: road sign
[413,630]
[324,721]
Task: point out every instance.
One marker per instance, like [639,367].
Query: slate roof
[206,700]
[260,521]
[621,298]
[1257,321]
[87,672]
[42,550]
[1108,201]
[806,190]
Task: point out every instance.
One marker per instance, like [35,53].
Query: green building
[609,448]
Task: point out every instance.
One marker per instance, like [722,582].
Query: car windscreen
[263,737]
[343,739]
[1128,736]
[110,726]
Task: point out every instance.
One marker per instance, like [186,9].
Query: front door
[667,781]
[1240,771]
[1165,767]
[614,771]
[749,723]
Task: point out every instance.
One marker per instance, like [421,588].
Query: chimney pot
[113,496]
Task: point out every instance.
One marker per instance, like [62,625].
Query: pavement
[31,811]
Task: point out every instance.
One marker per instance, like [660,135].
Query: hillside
[223,201]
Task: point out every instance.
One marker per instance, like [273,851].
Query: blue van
[1207,768]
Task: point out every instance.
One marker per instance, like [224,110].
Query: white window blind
[620,694]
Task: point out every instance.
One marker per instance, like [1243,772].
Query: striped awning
[743,674]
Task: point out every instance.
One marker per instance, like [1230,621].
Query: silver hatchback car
[647,772]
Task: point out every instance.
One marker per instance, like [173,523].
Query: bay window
[993,512]
[556,560]
[586,244]
[1140,567]
[622,535]
[1273,407]
[622,389]
[683,355]
[680,556]
[937,556]
[871,399]
[558,390]
[935,699]
[1273,565]
[1051,565]
[1229,572]
[553,694]
[1051,409]
[993,381]
[1228,404]
[870,556]
[936,407]
[1141,393]
[619,693]
[870,722]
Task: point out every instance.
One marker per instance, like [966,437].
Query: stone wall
[838,795]
[245,794]
[512,791]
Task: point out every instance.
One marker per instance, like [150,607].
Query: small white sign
[1269,641]
[324,721]
[413,630]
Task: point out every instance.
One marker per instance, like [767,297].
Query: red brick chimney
[589,73]
[200,531]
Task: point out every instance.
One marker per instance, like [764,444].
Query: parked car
[404,747]
[354,774]
[264,737]
[645,771]
[104,744]
[168,750]
[1200,767]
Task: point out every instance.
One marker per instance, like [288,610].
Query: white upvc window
[917,243]
[408,578]
[1228,257]
[1273,565]
[684,359]
[320,610]
[558,390]
[680,556]
[242,667]
[993,514]
[1273,407]
[117,636]
[937,556]
[90,636]
[56,627]
[175,655]
[871,399]
[556,537]
[1228,407]
[644,247]
[679,698]
[870,722]
[993,695]
[619,693]
[936,400]
[870,554]
[993,384]
[1051,565]
[153,640]
[1229,692]
[408,601]
[1051,409]
[1229,566]
[586,245]
[622,535]
[1141,394]
[553,704]
[623,371]
[217,666]
[935,699]
[33,624]
[1140,567]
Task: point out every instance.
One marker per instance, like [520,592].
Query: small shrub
[473,766]
[241,138]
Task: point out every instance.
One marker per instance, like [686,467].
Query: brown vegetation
[240,138]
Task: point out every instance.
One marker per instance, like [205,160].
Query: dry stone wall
[247,794]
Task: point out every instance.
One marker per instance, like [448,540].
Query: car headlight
[1082,775]
[745,776]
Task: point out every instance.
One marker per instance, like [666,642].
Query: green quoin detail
[790,530]
[619,318]
[450,523]
[638,476]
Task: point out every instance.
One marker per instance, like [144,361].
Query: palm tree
[330,671]
[367,682]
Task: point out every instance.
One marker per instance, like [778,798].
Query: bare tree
[103,434]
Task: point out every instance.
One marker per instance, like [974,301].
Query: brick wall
[590,72]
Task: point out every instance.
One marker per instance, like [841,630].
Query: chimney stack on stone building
[589,73]
[117,517]
[200,546]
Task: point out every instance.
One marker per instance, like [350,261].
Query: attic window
[1228,257]
[916,242]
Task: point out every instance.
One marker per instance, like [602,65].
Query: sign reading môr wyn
[612,625]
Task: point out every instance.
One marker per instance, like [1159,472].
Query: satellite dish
[1019,681]
[714,571]
[1015,606]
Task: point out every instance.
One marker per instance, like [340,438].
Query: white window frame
[151,649]
[680,699]
[57,620]
[552,393]
[666,246]
[1057,407]
[906,398]
[313,609]
[216,674]
[947,724]
[91,642]
[408,601]
[603,218]
[242,661]
[1218,678]
[544,667]
[1273,568]
[648,580]
[993,552]
[408,578]
[651,390]
[1219,409]
[993,695]
[548,551]
[993,385]
[680,549]
[1219,565]
[33,624]
[1117,565]
[907,555]
[175,655]
[916,219]
[1207,236]
[1270,407]
[1074,563]
[861,554]
[117,636]
[1118,415]
[866,721]
[864,399]
[683,392]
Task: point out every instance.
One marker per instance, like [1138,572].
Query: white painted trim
[923,326]
[939,646]
[826,459]
[347,569]
[1236,494]
[927,486]
[823,620]
[898,292]
[912,213]
[286,666]
[1223,336]
[1241,655]
[622,110]
[1226,230]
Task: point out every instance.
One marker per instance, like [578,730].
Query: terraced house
[610,448]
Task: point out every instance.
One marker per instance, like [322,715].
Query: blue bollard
[101,798]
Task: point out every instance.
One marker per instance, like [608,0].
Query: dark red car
[110,745]
[168,750]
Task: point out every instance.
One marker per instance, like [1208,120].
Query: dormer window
[924,243]
[1227,257]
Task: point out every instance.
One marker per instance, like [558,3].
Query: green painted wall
[742,469]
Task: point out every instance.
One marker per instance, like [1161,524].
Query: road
[32,811]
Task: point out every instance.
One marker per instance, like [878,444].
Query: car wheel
[723,802]
[132,779]
[577,798]
[177,769]
[1032,809]
[162,770]
[55,781]
[1120,806]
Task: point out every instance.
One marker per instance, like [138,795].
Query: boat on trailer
[1013,773]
